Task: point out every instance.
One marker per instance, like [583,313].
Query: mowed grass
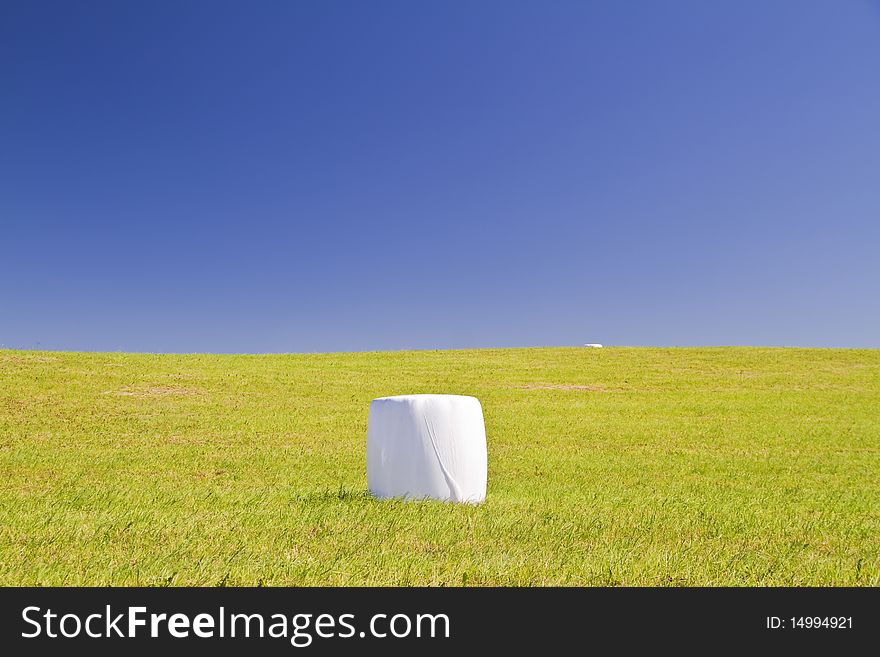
[616,466]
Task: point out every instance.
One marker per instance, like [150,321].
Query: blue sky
[340,176]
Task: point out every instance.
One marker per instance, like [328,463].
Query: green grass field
[616,466]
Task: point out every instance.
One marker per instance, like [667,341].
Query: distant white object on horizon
[594,345]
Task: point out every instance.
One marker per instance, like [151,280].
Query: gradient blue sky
[337,176]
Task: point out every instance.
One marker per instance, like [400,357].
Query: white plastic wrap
[427,446]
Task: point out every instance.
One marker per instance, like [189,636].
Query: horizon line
[588,347]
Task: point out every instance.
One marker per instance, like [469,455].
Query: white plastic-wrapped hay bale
[427,446]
